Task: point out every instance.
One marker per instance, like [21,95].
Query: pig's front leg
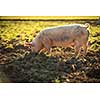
[47,43]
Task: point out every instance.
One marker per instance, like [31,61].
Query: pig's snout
[28,45]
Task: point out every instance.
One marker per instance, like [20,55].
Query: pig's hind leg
[85,45]
[77,47]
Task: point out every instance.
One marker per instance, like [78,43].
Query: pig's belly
[63,44]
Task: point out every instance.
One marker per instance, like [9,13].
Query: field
[18,64]
[49,17]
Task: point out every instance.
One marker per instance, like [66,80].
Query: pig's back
[62,30]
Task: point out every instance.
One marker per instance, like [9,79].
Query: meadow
[18,64]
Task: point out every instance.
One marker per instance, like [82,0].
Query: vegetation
[18,64]
[49,17]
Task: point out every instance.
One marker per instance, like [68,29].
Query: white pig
[75,35]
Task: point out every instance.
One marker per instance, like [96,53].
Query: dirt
[21,65]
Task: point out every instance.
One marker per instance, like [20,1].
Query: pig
[73,35]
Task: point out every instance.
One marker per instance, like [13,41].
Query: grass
[50,17]
[20,65]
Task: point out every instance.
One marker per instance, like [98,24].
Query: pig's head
[28,45]
[34,46]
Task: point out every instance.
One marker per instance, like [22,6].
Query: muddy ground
[59,66]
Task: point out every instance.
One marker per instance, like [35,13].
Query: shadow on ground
[17,64]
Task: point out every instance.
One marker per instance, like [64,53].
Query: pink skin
[37,48]
[28,45]
[65,36]
[77,46]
